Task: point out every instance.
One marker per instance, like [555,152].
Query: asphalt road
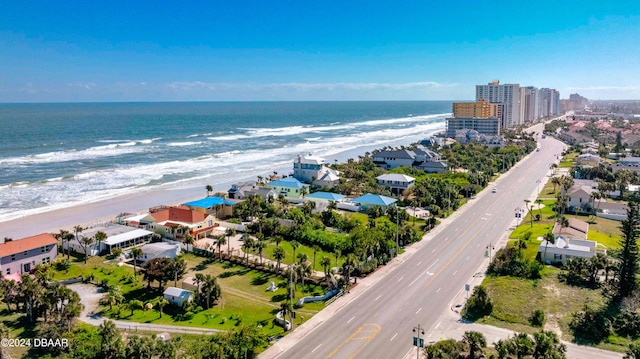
[379,322]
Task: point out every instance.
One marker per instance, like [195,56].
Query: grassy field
[567,160]
[244,296]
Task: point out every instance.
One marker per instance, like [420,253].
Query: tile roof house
[396,182]
[168,222]
[22,255]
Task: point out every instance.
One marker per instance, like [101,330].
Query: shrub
[537,318]
[478,305]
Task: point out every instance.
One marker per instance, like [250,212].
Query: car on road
[494,190]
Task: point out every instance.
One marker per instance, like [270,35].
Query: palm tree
[337,253]
[209,189]
[100,237]
[247,246]
[188,240]
[325,262]
[77,230]
[294,245]
[162,302]
[302,257]
[316,248]
[556,182]
[135,253]
[526,203]
[549,238]
[135,304]
[230,232]
[86,242]
[521,345]
[539,203]
[277,240]
[259,246]
[278,255]
[220,241]
[476,341]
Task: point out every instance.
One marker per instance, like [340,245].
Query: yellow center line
[352,337]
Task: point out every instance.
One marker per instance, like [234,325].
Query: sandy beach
[107,210]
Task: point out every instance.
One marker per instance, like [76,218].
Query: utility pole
[417,341]
[488,251]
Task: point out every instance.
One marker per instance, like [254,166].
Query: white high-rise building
[508,95]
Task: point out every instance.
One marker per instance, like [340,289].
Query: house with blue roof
[325,197]
[289,187]
[369,200]
[219,206]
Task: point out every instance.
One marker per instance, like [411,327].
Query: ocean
[61,155]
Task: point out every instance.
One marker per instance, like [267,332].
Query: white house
[313,170]
[396,182]
[159,250]
[178,296]
[118,236]
[570,243]
[393,159]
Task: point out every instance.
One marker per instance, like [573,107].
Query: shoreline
[106,210]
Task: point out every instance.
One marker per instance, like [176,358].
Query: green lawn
[289,259]
[244,296]
[567,160]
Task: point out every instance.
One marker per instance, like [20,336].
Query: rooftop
[395,177]
[25,244]
[177,292]
[326,196]
[123,237]
[181,214]
[374,199]
[288,182]
[209,202]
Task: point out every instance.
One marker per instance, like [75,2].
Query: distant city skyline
[329,50]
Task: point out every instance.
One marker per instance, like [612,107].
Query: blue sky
[313,50]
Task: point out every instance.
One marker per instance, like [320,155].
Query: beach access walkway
[90,297]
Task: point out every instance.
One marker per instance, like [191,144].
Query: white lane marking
[468,258]
[378,297]
[482,218]
[454,273]
[351,320]
[433,250]
[393,337]
[438,291]
[434,263]
[429,273]
[401,278]
[418,310]
[419,263]
[437,325]
[487,214]
[455,230]
[446,239]
[316,348]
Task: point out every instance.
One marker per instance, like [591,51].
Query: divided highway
[379,322]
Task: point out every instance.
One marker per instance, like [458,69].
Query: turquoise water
[56,155]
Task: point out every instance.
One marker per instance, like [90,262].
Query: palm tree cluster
[54,306]
[542,345]
[207,290]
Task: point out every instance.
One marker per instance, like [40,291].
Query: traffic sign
[418,342]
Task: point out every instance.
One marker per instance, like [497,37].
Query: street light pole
[538,183]
[489,249]
[418,330]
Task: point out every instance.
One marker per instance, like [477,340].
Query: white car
[494,190]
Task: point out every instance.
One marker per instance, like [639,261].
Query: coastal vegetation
[590,301]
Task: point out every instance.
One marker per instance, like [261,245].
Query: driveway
[90,296]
